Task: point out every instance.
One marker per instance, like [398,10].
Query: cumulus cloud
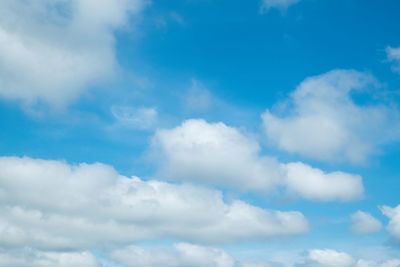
[328,258]
[216,154]
[139,118]
[312,183]
[333,258]
[280,4]
[33,258]
[182,254]
[185,254]
[364,223]
[394,224]
[51,51]
[52,205]
[393,54]
[321,120]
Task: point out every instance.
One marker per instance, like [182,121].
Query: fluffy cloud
[216,154]
[364,223]
[393,54]
[322,121]
[52,205]
[312,183]
[182,254]
[50,51]
[33,258]
[333,258]
[280,4]
[328,258]
[394,224]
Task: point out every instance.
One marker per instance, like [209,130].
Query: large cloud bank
[52,205]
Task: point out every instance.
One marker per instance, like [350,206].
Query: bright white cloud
[216,154]
[333,258]
[33,258]
[139,118]
[51,51]
[312,183]
[394,224]
[364,223]
[52,205]
[393,54]
[327,258]
[280,4]
[182,254]
[321,120]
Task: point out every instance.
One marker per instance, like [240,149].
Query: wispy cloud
[393,55]
[280,4]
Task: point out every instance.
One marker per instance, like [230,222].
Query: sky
[199,133]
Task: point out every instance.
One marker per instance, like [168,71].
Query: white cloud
[394,224]
[140,118]
[333,258]
[182,254]
[321,120]
[280,4]
[393,54]
[52,205]
[312,183]
[216,154]
[388,263]
[33,258]
[329,258]
[51,51]
[364,223]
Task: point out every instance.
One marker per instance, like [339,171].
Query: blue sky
[199,133]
